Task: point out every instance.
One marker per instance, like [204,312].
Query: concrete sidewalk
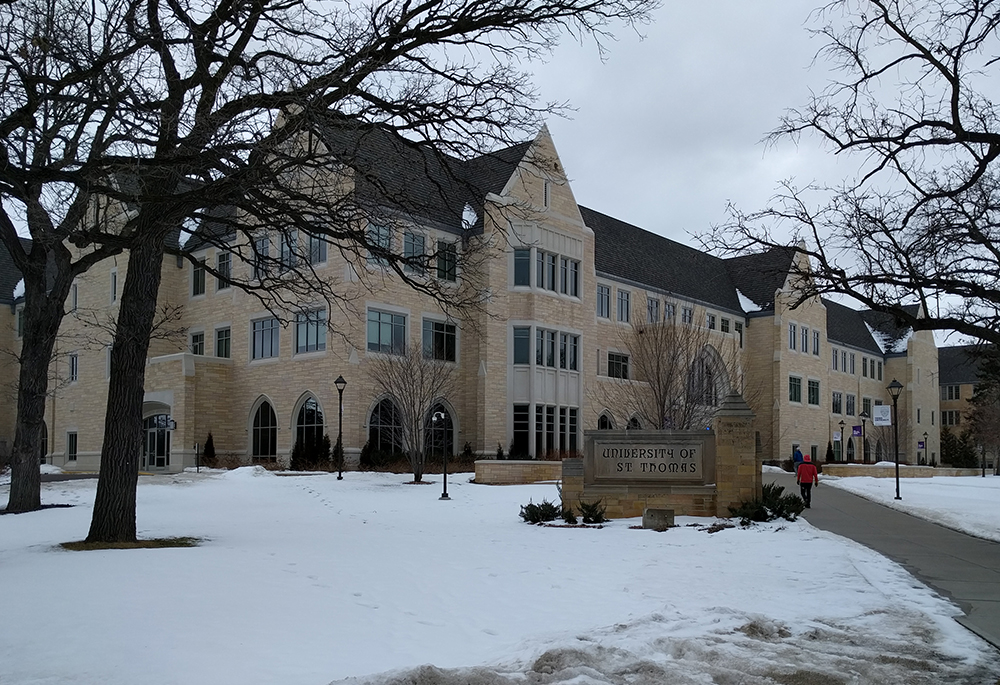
[959,566]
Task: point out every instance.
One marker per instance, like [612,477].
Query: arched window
[265,433]
[309,424]
[604,423]
[439,436]
[156,443]
[850,449]
[385,429]
[634,424]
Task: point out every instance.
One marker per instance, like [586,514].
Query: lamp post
[439,416]
[341,384]
[926,448]
[894,389]
[843,452]
[864,416]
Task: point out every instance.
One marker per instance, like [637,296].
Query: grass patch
[153,543]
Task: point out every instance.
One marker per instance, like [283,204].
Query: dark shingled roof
[626,251]
[759,275]
[847,327]
[958,365]
[9,274]
[414,180]
[892,333]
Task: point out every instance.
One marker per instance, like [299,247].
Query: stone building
[550,355]
[959,368]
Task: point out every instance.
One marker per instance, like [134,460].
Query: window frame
[795,389]
[443,338]
[265,330]
[398,325]
[224,269]
[198,284]
[603,301]
[313,324]
[624,306]
[228,341]
[620,364]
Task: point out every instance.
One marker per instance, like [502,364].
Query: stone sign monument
[693,473]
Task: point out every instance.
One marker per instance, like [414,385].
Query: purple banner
[856,431]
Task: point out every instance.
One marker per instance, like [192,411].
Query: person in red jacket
[806,476]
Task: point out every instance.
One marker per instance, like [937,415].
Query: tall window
[792,336]
[522,266]
[310,331]
[617,365]
[864,366]
[289,248]
[624,305]
[386,332]
[569,277]
[20,322]
[522,430]
[851,405]
[545,348]
[852,363]
[156,447]
[794,389]
[838,402]
[836,357]
[379,238]
[687,315]
[816,343]
[223,343]
[545,270]
[447,261]
[669,311]
[74,368]
[738,325]
[265,338]
[198,278]
[114,285]
[265,433]
[880,371]
[75,297]
[198,343]
[522,345]
[813,396]
[805,340]
[224,267]
[413,252]
[317,249]
[385,428]
[710,321]
[604,301]
[309,423]
[866,406]
[568,351]
[439,340]
[262,248]
[71,447]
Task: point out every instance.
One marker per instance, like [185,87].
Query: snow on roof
[19,289]
[888,343]
[747,304]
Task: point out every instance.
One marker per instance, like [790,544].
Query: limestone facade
[537,367]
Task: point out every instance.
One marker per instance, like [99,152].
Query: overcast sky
[669,128]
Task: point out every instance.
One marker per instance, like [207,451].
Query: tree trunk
[43,315]
[114,509]
[417,462]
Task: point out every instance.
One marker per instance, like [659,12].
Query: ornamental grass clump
[772,505]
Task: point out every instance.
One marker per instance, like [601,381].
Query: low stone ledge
[905,471]
[516,472]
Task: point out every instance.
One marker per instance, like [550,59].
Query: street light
[843,452]
[341,384]
[926,449]
[894,389]
[439,416]
[864,416]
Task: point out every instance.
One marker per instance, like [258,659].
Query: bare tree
[415,382]
[673,376]
[171,111]
[920,220]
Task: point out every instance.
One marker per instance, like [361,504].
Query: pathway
[964,568]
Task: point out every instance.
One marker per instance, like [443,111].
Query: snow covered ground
[306,579]
[968,503]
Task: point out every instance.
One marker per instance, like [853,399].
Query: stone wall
[516,472]
[872,471]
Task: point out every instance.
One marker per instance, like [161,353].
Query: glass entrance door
[156,446]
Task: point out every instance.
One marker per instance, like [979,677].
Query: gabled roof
[9,273]
[625,251]
[759,276]
[890,333]
[958,365]
[413,179]
[847,327]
